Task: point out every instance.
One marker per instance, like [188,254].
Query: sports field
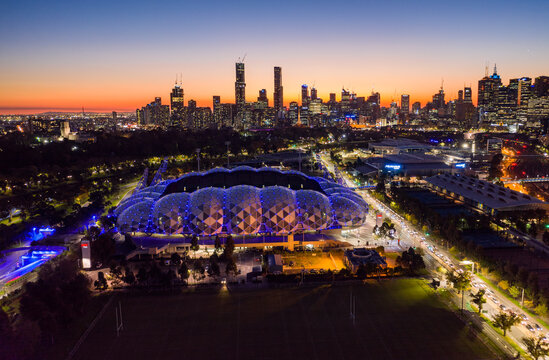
[397,319]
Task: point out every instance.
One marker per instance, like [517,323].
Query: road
[495,301]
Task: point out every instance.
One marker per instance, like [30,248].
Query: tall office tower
[314,94]
[541,86]
[345,100]
[467,95]
[438,99]
[190,114]
[524,91]
[304,95]
[332,98]
[293,112]
[405,104]
[177,104]
[240,88]
[488,88]
[262,100]
[278,93]
[217,115]
[464,109]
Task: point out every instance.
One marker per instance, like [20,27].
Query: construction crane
[243,58]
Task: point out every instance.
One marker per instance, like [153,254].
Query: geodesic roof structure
[244,201]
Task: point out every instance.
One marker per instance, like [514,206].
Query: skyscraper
[154,113]
[467,95]
[278,93]
[240,88]
[177,104]
[314,93]
[304,95]
[262,100]
[345,100]
[217,112]
[405,104]
[488,88]
[542,86]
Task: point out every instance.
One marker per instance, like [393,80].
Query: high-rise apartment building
[154,114]
[240,88]
[278,90]
[217,115]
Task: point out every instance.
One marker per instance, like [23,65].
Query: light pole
[227,143]
[198,157]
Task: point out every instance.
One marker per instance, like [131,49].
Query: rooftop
[486,193]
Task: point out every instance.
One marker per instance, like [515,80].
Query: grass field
[397,319]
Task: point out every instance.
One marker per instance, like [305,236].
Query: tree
[214,269]
[217,244]
[505,321]
[142,275]
[175,259]
[514,291]
[183,271]
[411,261]
[101,282]
[541,309]
[479,299]
[461,282]
[194,243]
[231,267]
[198,270]
[503,284]
[536,347]
[129,277]
[229,249]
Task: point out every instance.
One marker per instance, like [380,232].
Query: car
[503,307]
[496,301]
[538,328]
[224,281]
[524,317]
[530,328]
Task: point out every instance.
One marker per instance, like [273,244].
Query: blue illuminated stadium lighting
[393,166]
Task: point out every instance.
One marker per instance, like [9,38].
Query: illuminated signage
[393,167]
[460,165]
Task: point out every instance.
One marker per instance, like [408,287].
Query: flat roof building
[413,164]
[398,146]
[483,195]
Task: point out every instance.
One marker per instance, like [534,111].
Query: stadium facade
[240,202]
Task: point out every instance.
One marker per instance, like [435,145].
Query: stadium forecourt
[257,207]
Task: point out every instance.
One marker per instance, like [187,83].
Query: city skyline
[102,57]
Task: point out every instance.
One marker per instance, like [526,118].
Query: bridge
[525,180]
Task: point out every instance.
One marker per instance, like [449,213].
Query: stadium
[242,202]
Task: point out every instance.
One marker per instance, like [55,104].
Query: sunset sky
[119,55]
